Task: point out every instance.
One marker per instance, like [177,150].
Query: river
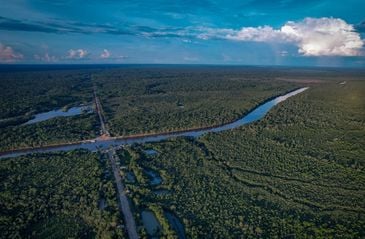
[94,145]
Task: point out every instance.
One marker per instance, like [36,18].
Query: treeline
[57,195]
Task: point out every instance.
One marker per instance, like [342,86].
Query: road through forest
[113,157]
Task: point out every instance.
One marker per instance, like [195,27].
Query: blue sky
[247,32]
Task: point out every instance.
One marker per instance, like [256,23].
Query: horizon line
[4,65]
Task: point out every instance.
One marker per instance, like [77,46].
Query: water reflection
[151,223]
[59,113]
[155,178]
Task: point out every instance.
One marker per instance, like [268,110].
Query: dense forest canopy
[298,172]
[57,196]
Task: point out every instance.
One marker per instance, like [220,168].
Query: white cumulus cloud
[77,54]
[7,54]
[324,37]
[313,36]
[105,54]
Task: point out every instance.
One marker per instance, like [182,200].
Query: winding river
[100,144]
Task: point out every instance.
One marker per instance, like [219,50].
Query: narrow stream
[176,224]
[94,145]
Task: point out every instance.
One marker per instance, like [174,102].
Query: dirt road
[122,197]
